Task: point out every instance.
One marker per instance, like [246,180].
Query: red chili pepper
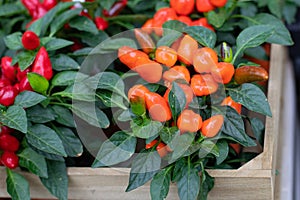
[49,4]
[4,82]
[4,130]
[39,12]
[158,107]
[8,95]
[22,74]
[42,64]
[8,70]
[30,40]
[101,23]
[116,8]
[25,85]
[9,159]
[9,143]
[31,5]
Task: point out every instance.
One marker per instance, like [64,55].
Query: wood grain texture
[255,179]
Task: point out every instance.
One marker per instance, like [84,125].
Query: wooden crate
[254,180]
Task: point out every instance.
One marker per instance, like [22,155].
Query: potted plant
[168,89]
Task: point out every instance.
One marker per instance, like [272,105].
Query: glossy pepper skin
[49,4]
[30,40]
[204,5]
[203,85]
[151,144]
[9,143]
[149,70]
[177,72]
[183,7]
[42,64]
[189,121]
[166,55]
[4,130]
[223,72]
[212,126]
[248,74]
[8,95]
[129,56]
[204,59]
[101,23]
[116,8]
[228,101]
[186,49]
[144,40]
[158,107]
[9,159]
[9,71]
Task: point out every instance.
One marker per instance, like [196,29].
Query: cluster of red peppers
[181,10]
[197,70]
[13,80]
[9,145]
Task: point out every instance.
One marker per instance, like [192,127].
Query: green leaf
[217,19]
[160,184]
[48,156]
[83,23]
[234,127]
[13,41]
[173,25]
[252,97]
[252,36]
[258,128]
[189,184]
[27,99]
[63,116]
[94,39]
[57,43]
[45,139]
[281,34]
[62,62]
[143,168]
[275,6]
[9,9]
[112,45]
[91,114]
[57,181]
[107,4]
[80,92]
[34,162]
[64,78]
[179,144]
[39,114]
[289,13]
[41,25]
[24,59]
[15,118]
[71,142]
[223,151]
[118,148]
[146,130]
[17,186]
[169,39]
[168,133]
[111,100]
[207,183]
[206,147]
[38,83]
[62,19]
[177,100]
[203,35]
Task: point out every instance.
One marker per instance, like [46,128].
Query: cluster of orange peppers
[181,10]
[198,71]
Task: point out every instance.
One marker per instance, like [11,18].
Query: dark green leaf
[91,114]
[168,133]
[112,45]
[206,147]
[57,181]
[107,4]
[13,41]
[111,100]
[281,34]
[9,9]
[160,184]
[15,118]
[83,23]
[275,6]
[34,162]
[17,186]
[143,168]
[38,83]
[118,148]
[63,62]
[203,35]
[62,19]
[24,59]
[258,128]
[173,25]
[179,144]
[57,43]
[64,78]
[80,92]
[223,151]
[83,52]
[94,39]
[169,39]
[63,116]
[189,184]
[27,99]
[71,142]
[39,114]
[146,130]
[207,183]
[217,19]
[289,13]
[177,100]
[48,156]
[125,115]
[252,97]
[45,139]
[41,25]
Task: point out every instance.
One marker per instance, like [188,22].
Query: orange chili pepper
[189,121]
[223,72]
[166,55]
[248,74]
[228,101]
[212,126]
[145,41]
[186,49]
[203,85]
[204,59]
[158,107]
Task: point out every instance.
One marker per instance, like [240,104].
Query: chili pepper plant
[162,87]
